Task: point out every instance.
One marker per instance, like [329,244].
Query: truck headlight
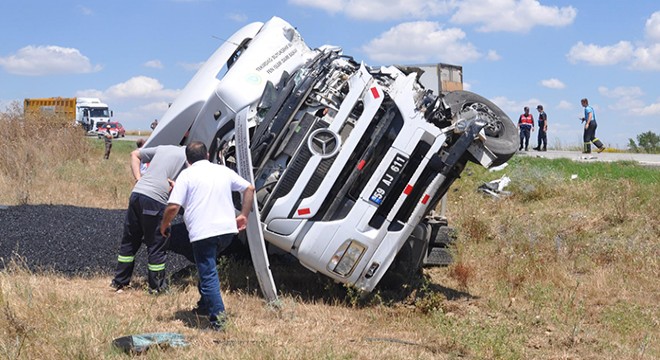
[347,256]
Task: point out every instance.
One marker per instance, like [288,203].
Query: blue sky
[137,55]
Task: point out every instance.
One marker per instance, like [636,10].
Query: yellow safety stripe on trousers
[594,140]
[156,267]
[125,259]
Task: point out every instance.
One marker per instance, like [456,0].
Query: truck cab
[90,111]
[349,161]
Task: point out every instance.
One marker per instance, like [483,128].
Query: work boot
[587,149]
[219,322]
[538,148]
[545,148]
[599,145]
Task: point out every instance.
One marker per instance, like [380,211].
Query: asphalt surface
[642,159]
[68,240]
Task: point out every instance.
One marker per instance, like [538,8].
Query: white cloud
[192,66]
[647,58]
[553,83]
[47,60]
[621,91]
[237,17]
[511,15]
[492,55]
[601,55]
[329,6]
[381,9]
[626,98]
[85,10]
[653,109]
[156,64]
[565,105]
[653,27]
[136,87]
[513,106]
[155,107]
[420,42]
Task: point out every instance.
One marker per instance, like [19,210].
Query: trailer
[82,111]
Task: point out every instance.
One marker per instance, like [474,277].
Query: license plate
[389,179]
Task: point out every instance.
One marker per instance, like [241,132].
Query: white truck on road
[84,111]
[349,161]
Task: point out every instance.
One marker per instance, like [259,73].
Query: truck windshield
[99,112]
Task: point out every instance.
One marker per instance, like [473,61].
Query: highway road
[643,159]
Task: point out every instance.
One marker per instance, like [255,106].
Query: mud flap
[254,231]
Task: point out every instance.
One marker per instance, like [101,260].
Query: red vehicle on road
[116,129]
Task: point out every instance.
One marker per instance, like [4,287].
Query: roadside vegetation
[566,267]
[648,142]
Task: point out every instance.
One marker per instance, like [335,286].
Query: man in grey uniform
[145,211]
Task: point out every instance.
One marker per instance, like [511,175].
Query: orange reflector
[408,189]
[361,164]
[375,93]
[425,199]
[304,211]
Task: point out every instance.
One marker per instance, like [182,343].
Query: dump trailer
[82,111]
[349,161]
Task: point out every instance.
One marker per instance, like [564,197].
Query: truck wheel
[501,132]
[407,264]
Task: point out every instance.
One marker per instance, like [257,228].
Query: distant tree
[648,142]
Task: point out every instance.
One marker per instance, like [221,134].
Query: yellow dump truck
[81,111]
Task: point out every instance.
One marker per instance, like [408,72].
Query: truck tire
[501,132]
[407,264]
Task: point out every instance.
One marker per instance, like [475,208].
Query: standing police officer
[543,130]
[525,125]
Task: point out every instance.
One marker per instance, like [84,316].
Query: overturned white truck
[349,161]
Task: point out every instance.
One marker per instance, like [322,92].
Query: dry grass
[46,161]
[560,270]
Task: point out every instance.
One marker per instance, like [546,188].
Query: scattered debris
[574,176]
[499,167]
[139,344]
[495,188]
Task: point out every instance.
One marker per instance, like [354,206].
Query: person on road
[107,138]
[590,129]
[204,191]
[543,130]
[145,211]
[525,126]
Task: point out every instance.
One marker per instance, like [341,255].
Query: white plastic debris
[495,188]
[574,176]
[499,167]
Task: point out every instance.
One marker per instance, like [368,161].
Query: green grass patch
[589,171]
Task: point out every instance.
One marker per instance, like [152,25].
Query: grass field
[561,269]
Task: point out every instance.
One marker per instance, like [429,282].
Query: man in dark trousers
[145,212]
[525,125]
[204,190]
[590,129]
[543,130]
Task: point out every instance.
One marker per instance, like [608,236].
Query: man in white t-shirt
[204,190]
